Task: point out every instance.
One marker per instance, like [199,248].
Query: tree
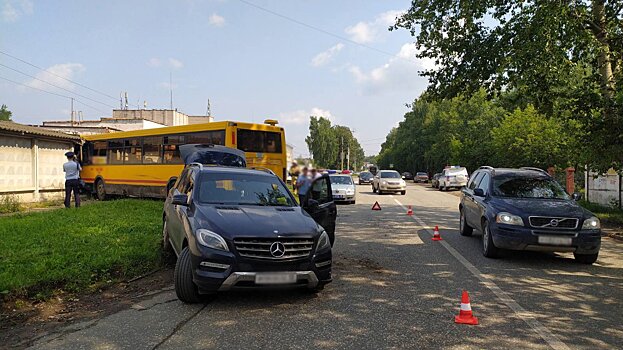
[552,53]
[321,141]
[528,138]
[5,114]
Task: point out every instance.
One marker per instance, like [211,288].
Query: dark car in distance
[421,177]
[407,176]
[238,228]
[526,209]
[365,177]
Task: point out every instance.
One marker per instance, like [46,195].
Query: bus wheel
[100,190]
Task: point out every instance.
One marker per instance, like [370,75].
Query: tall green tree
[564,57]
[321,141]
[5,114]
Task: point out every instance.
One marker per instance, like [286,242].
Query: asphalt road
[393,288]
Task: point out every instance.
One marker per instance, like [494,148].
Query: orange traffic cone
[410,211]
[465,314]
[436,235]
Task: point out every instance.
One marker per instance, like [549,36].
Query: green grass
[605,214]
[73,249]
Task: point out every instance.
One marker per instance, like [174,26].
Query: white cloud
[216,20]
[399,73]
[326,56]
[12,10]
[154,62]
[371,31]
[175,63]
[172,63]
[56,74]
[301,116]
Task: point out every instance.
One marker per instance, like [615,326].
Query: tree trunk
[603,59]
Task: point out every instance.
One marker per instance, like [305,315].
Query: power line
[321,30]
[51,93]
[56,75]
[56,86]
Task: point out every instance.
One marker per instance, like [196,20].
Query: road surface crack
[179,326]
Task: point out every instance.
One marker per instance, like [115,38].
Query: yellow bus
[145,163]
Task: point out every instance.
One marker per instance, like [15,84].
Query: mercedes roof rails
[260,168]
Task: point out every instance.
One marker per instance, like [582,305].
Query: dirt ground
[24,321]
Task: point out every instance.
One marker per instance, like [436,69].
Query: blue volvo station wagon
[526,209]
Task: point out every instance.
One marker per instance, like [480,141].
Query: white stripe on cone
[466,307]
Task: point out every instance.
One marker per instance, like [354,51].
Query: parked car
[421,177]
[407,175]
[388,181]
[453,177]
[434,182]
[365,177]
[236,227]
[526,209]
[343,188]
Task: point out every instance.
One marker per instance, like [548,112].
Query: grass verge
[608,215]
[72,249]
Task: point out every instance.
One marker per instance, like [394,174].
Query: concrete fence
[605,189]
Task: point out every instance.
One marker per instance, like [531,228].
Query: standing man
[303,183]
[72,179]
[294,174]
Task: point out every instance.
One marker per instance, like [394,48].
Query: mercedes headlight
[323,242]
[591,223]
[509,219]
[212,240]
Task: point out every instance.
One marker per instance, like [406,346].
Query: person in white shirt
[72,179]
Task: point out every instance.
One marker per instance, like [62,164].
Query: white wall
[32,168]
[603,189]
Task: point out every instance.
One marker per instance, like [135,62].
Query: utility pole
[72,112]
[171,87]
[342,153]
[348,158]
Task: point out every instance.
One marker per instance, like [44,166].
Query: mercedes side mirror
[479,192]
[576,196]
[180,199]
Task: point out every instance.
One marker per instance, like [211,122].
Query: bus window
[99,152]
[171,153]
[133,151]
[259,141]
[115,152]
[152,147]
[216,137]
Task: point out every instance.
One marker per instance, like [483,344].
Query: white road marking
[524,314]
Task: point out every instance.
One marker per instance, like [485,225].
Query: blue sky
[251,64]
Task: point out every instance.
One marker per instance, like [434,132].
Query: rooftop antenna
[171,87]
[144,104]
[121,100]
[209,109]
[126,100]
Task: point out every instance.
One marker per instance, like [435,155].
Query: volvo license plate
[554,240]
[275,278]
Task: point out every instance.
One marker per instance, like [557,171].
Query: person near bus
[294,174]
[72,179]
[303,184]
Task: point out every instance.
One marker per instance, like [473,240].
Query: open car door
[319,204]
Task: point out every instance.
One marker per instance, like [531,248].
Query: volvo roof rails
[534,168]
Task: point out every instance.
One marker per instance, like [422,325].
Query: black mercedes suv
[526,209]
[236,227]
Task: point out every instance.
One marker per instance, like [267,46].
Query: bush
[9,204]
